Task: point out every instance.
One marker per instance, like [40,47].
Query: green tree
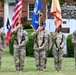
[61,1]
[2,0]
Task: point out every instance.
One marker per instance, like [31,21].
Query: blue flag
[36,14]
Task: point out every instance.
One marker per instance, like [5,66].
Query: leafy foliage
[11,42]
[27,26]
[61,1]
[70,46]
[2,0]
[30,51]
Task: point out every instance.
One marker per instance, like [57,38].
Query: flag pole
[75,63]
[39,31]
[39,38]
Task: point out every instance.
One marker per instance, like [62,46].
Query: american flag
[16,13]
[15,19]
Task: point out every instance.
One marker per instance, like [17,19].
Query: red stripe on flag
[16,12]
[8,38]
[56,12]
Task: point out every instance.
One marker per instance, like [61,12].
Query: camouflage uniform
[19,52]
[40,55]
[59,40]
[48,47]
[2,43]
[74,40]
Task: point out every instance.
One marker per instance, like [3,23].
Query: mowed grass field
[8,66]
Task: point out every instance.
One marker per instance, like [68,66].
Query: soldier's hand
[38,28]
[74,42]
[18,26]
[19,45]
[40,48]
[57,49]
[2,49]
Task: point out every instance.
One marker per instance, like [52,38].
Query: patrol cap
[19,22]
[0,25]
[43,23]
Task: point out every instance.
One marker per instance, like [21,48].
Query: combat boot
[0,65]
[40,70]
[44,69]
[57,69]
[17,71]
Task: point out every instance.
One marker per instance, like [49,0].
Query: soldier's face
[44,26]
[20,26]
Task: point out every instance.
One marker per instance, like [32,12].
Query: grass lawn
[30,69]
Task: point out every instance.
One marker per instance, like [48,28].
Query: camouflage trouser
[19,55]
[0,57]
[75,52]
[39,57]
[45,59]
[75,55]
[58,58]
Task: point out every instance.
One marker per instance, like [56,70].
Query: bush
[60,1]
[50,52]
[11,42]
[70,46]
[27,26]
[30,51]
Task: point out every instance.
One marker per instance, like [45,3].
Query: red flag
[56,12]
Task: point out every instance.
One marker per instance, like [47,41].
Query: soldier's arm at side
[13,30]
[45,43]
[50,41]
[35,46]
[73,40]
[26,39]
[34,33]
[63,43]
[3,40]
[1,47]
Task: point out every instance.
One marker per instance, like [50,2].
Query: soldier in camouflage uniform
[20,40]
[59,41]
[74,42]
[40,47]
[2,42]
[48,45]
